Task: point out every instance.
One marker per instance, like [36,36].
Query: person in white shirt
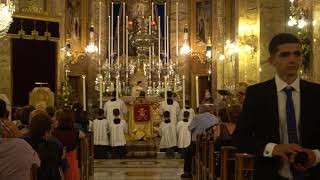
[112,104]
[101,139]
[167,131]
[280,120]
[183,133]
[136,89]
[172,106]
[118,128]
[189,109]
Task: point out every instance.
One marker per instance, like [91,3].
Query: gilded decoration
[33,6]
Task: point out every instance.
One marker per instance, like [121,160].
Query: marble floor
[138,169]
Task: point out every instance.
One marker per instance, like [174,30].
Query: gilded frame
[194,90]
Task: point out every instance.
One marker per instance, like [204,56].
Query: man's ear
[270,60]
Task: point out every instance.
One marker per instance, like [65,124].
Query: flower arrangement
[65,96]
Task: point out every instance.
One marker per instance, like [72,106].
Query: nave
[138,169]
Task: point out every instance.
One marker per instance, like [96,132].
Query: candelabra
[6,11]
[296,17]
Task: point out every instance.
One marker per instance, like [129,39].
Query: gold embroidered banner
[141,113]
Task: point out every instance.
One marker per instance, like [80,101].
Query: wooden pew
[227,155]
[211,174]
[196,160]
[204,156]
[244,162]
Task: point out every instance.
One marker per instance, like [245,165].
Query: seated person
[118,128]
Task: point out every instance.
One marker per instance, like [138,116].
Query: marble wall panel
[5,68]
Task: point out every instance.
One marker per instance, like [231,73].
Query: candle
[168,54]
[177,30]
[100,91]
[183,92]
[117,87]
[159,42]
[118,43]
[165,27]
[197,91]
[84,92]
[152,9]
[153,87]
[149,47]
[99,61]
[123,27]
[165,88]
[109,42]
[120,89]
[111,31]
[127,36]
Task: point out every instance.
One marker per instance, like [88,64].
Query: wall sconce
[185,49]
[91,47]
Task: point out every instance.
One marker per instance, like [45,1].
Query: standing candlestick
[127,37]
[183,92]
[111,32]
[84,92]
[165,88]
[100,91]
[109,42]
[177,29]
[118,43]
[123,27]
[117,87]
[197,91]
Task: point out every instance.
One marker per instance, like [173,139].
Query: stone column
[5,68]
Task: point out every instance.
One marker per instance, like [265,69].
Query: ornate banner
[141,113]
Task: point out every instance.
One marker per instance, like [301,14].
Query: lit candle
[168,53]
[159,42]
[127,36]
[109,42]
[123,27]
[118,44]
[100,91]
[84,92]
[152,11]
[197,91]
[117,87]
[150,47]
[165,88]
[165,27]
[183,92]
[111,31]
[99,61]
[153,87]
[177,29]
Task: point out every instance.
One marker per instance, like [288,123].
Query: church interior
[88,55]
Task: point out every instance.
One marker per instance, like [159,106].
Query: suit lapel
[303,104]
[273,101]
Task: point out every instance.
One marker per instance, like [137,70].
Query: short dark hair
[139,82]
[169,94]
[116,112]
[66,118]
[3,108]
[100,112]
[280,39]
[142,94]
[186,114]
[166,114]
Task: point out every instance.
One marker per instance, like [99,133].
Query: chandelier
[296,17]
[6,11]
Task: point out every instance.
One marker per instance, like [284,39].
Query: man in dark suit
[280,118]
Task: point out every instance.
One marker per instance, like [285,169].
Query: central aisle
[138,169]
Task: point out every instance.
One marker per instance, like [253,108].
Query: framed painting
[201,89]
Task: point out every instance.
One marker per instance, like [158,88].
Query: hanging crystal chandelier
[6,11]
[296,17]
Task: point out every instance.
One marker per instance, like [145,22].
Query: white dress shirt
[284,171]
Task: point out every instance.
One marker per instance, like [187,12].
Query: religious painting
[138,8]
[203,20]
[201,89]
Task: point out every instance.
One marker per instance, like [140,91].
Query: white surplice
[190,110]
[167,131]
[109,106]
[184,134]
[174,110]
[117,133]
[100,129]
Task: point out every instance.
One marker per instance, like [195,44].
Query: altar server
[118,128]
[188,109]
[172,106]
[101,139]
[183,132]
[112,104]
[167,131]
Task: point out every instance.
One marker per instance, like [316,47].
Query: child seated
[167,131]
[118,128]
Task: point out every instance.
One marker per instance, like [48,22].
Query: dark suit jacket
[259,125]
